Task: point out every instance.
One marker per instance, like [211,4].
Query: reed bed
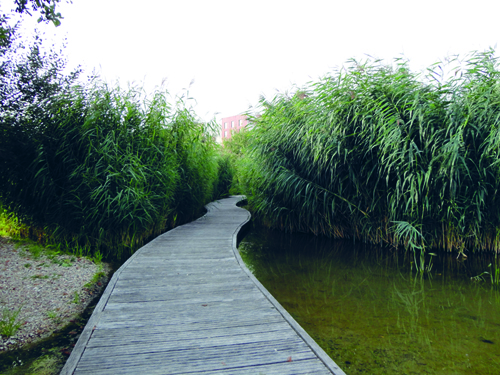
[96,167]
[383,155]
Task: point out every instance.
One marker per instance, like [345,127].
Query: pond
[373,313]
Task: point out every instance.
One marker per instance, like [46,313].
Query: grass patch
[9,223]
[76,298]
[47,365]
[9,324]
[40,277]
[95,279]
[54,316]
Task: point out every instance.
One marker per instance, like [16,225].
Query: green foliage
[196,154]
[9,324]
[97,258]
[234,150]
[95,279]
[54,316]
[224,180]
[7,34]
[494,273]
[76,298]
[236,145]
[95,168]
[9,224]
[102,172]
[495,276]
[372,145]
[47,9]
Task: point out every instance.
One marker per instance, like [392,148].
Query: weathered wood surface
[185,303]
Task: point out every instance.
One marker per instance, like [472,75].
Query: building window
[241,122]
[225,133]
[225,125]
[232,124]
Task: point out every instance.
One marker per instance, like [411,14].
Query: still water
[373,313]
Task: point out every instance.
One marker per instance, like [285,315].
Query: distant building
[232,124]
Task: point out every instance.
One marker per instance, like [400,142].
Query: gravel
[48,292]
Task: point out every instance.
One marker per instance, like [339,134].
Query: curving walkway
[185,303]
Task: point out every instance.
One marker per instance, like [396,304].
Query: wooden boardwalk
[185,304]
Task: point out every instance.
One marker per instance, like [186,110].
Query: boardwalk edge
[323,357]
[77,353]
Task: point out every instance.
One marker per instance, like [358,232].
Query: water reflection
[373,313]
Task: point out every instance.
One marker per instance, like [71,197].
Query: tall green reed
[373,149]
[106,170]
[96,167]
[234,151]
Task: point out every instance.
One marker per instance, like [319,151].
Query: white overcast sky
[236,51]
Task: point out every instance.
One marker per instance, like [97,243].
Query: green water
[373,314]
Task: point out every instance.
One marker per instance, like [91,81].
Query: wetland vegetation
[96,168]
[372,153]
[384,184]
[383,155]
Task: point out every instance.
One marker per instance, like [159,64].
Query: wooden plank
[185,303]
[201,330]
[181,316]
[304,367]
[153,273]
[207,358]
[161,344]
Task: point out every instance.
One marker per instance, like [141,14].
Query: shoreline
[48,291]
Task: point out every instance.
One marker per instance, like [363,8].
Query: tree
[46,8]
[30,79]
[6,34]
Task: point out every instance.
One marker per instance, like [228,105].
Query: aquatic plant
[372,146]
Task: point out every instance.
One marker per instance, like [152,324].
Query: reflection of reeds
[411,302]
[356,301]
[374,145]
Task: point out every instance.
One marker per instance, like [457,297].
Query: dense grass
[104,170]
[234,150]
[383,155]
[97,167]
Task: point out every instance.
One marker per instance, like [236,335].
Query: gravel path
[47,291]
